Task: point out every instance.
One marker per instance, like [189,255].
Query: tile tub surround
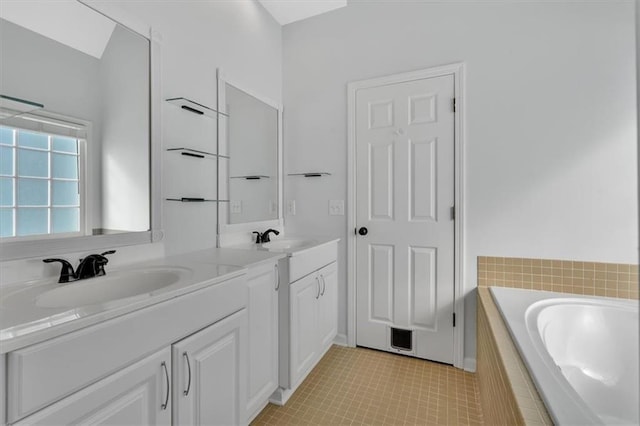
[563,276]
[507,392]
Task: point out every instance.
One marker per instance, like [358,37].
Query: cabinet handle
[166,373]
[278,277]
[324,285]
[318,282]
[186,392]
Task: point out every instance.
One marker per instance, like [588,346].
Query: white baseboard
[470,365]
[280,396]
[340,340]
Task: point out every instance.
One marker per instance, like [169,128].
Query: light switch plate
[236,206]
[336,207]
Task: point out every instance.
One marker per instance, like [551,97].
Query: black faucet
[66,272]
[89,267]
[264,237]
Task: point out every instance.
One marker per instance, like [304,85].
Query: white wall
[197,38]
[550,142]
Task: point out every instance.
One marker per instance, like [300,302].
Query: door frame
[457,71]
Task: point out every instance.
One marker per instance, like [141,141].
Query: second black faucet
[264,237]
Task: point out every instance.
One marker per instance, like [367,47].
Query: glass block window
[39,183]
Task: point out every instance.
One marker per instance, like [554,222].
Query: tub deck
[507,392]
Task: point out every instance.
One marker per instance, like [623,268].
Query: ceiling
[65,21]
[288,11]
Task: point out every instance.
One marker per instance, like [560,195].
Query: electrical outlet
[236,206]
[291,207]
[336,207]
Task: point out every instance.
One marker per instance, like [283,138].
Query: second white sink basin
[288,244]
[114,286]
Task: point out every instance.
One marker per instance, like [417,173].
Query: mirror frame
[37,248]
[226,230]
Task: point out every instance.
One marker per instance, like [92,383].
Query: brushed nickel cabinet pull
[186,392]
[166,400]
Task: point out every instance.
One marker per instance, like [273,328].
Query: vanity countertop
[23,322]
[310,244]
[235,256]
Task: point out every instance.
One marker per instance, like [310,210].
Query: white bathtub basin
[582,353]
[114,286]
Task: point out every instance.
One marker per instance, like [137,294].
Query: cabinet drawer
[46,372]
[133,396]
[305,262]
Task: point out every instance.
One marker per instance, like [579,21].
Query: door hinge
[454,319]
[454,104]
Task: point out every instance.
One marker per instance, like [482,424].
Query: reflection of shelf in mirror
[188,152]
[310,174]
[10,106]
[196,200]
[194,107]
[251,177]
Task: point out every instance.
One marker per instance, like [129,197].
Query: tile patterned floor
[357,386]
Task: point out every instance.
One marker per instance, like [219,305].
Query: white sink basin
[288,244]
[113,286]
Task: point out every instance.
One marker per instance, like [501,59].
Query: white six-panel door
[405,195]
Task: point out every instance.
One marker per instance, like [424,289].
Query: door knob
[363,231]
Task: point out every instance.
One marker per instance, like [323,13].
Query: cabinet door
[137,395]
[304,295]
[328,305]
[209,374]
[263,284]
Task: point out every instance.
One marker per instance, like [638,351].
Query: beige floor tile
[357,386]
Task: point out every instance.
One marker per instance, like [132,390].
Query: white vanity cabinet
[137,395]
[263,283]
[209,373]
[314,319]
[328,305]
[308,314]
[303,295]
[181,361]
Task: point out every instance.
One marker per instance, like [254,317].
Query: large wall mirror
[75,130]
[249,148]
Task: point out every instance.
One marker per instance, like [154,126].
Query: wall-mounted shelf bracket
[251,177]
[195,153]
[194,107]
[196,200]
[310,174]
[10,106]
